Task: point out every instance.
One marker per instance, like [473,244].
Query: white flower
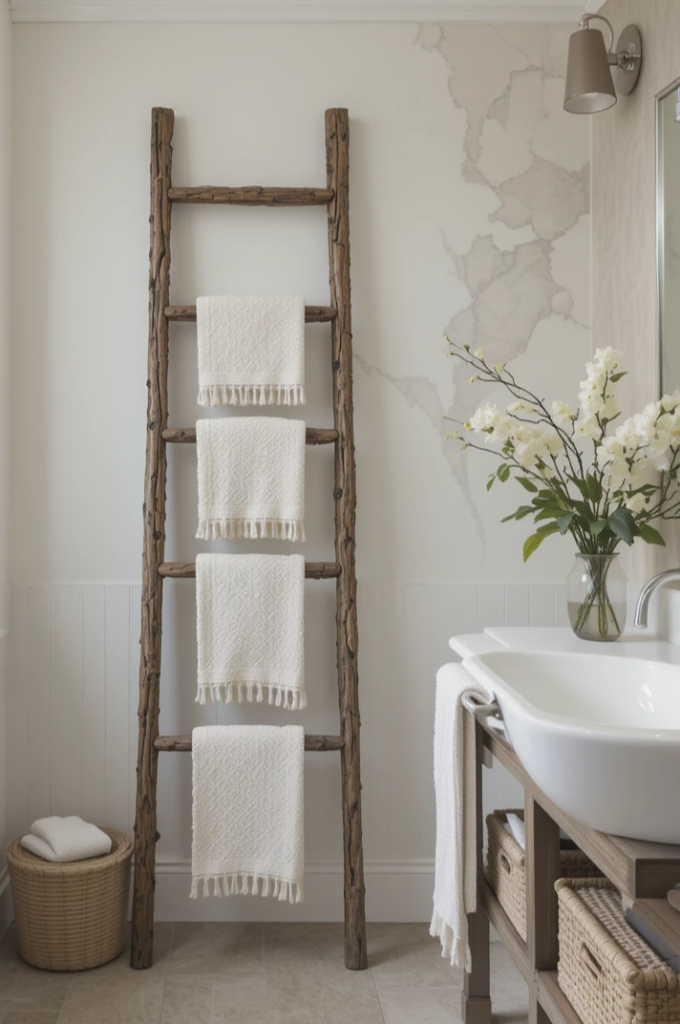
[485,418]
[636,502]
[517,407]
[587,426]
[607,359]
[479,353]
[561,412]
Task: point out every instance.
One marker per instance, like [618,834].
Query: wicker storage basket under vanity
[71,917]
[606,970]
[506,873]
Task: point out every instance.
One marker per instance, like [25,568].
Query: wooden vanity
[644,872]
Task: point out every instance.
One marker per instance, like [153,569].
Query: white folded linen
[251,478]
[66,839]
[517,829]
[248,815]
[251,350]
[455,783]
[250,629]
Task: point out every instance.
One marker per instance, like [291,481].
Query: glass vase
[597,594]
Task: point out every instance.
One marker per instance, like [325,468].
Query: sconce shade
[590,87]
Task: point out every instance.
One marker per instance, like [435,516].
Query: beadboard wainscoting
[74,657]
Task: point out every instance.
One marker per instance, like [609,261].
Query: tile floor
[258,974]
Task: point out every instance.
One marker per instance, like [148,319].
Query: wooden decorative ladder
[154,569]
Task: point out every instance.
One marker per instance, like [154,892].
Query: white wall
[469,212]
[5,171]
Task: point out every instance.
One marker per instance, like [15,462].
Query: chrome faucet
[642,609]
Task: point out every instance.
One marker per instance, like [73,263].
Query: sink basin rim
[479,668]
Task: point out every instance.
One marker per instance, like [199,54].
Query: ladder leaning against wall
[335,197]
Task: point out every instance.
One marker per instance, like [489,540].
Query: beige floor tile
[421,1006]
[186,1003]
[405,956]
[302,954]
[31,1017]
[218,950]
[321,1003]
[123,999]
[243,990]
[509,993]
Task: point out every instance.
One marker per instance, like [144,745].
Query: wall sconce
[590,86]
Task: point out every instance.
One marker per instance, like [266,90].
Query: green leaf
[549,513]
[597,527]
[503,473]
[491,482]
[622,524]
[582,486]
[534,542]
[593,488]
[509,518]
[652,536]
[564,522]
[524,511]
[616,377]
[526,484]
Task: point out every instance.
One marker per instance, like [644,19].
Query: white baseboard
[395,891]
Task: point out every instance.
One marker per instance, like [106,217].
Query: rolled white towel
[66,839]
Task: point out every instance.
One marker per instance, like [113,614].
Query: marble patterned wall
[624,223]
[469,214]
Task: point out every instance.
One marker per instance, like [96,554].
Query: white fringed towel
[251,350]
[248,785]
[66,839]
[250,627]
[455,783]
[251,478]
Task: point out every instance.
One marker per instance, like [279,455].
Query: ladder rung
[187,435]
[183,743]
[313,314]
[187,570]
[253,195]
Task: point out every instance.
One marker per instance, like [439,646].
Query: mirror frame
[661,225]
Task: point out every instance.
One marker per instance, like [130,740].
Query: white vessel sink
[600,735]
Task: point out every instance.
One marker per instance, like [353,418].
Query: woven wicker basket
[506,872]
[606,971]
[71,917]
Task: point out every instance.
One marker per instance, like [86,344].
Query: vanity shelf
[642,871]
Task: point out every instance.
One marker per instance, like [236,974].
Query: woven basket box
[71,917]
[606,970]
[506,873]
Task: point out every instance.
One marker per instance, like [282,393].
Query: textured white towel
[251,478]
[455,783]
[251,350]
[66,839]
[248,783]
[250,627]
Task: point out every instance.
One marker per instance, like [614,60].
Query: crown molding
[541,13]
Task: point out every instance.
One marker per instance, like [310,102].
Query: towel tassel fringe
[228,529]
[251,394]
[287,697]
[247,883]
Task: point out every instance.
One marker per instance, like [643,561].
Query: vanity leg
[542,871]
[476,1000]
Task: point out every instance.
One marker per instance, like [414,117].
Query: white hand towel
[66,839]
[517,829]
[248,784]
[455,783]
[251,478]
[250,627]
[251,350]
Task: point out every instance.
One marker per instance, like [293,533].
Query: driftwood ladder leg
[337,164]
[336,198]
[162,121]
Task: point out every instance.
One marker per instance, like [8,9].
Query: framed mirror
[668,221]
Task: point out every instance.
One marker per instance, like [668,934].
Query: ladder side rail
[337,166]
[162,122]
